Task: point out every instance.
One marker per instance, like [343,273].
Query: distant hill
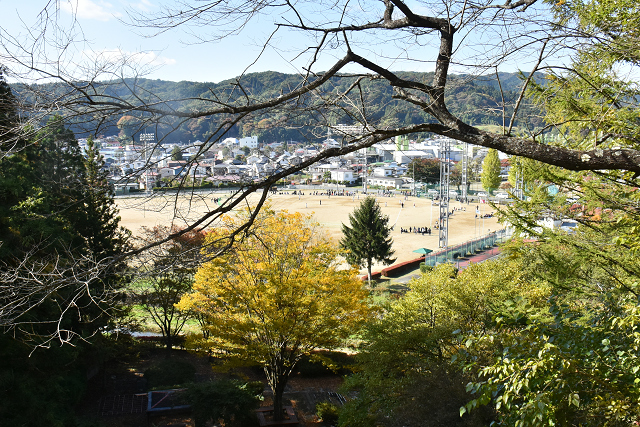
[476,100]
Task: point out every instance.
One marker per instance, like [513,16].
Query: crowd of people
[487,215]
[416,230]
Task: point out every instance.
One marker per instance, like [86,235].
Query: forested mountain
[476,100]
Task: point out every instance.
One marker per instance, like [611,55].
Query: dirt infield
[329,211]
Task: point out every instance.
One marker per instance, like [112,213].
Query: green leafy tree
[368,237]
[408,370]
[59,238]
[168,276]
[490,177]
[176,153]
[577,365]
[426,170]
[526,170]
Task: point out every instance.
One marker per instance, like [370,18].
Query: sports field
[329,211]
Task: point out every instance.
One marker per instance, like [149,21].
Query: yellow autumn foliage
[279,293]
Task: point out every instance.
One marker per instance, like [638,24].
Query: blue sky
[176,55]
[101,24]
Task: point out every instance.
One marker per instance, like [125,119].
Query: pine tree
[105,237]
[57,209]
[368,237]
[491,171]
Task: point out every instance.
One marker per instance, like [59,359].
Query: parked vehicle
[502,196]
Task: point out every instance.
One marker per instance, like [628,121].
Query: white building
[249,141]
[342,175]
[386,182]
[407,156]
[229,141]
[383,171]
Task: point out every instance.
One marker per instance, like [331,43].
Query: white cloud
[142,5]
[88,9]
[130,59]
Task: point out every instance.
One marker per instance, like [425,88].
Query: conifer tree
[57,211]
[491,171]
[368,237]
[105,236]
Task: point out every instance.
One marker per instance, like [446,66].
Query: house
[383,171]
[259,170]
[318,171]
[148,180]
[342,175]
[124,186]
[232,169]
[219,170]
[170,172]
[254,158]
[295,160]
[505,167]
[229,142]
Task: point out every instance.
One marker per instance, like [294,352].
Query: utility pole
[414,177]
[366,171]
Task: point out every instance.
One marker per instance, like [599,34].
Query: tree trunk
[168,338]
[277,377]
[278,404]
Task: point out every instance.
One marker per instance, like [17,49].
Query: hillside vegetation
[476,100]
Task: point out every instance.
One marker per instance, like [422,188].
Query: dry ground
[331,212]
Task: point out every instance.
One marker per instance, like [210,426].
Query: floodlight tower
[146,138]
[465,166]
[443,223]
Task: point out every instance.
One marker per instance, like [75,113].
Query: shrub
[232,402]
[424,268]
[327,412]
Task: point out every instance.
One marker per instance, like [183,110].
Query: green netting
[466,249]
